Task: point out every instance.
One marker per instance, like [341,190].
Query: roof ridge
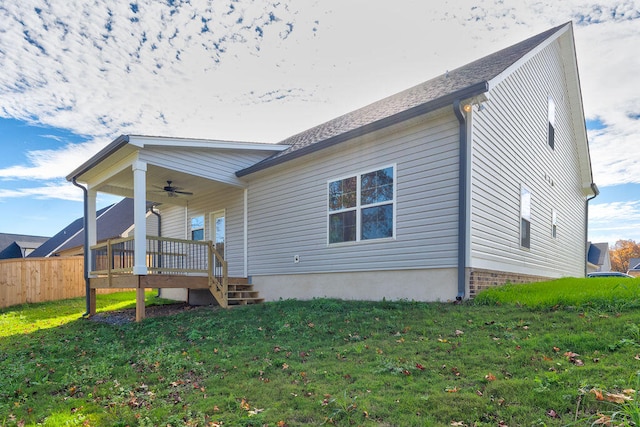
[462,82]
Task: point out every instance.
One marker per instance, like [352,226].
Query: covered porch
[173,174]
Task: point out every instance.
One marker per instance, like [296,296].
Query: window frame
[554,223]
[551,122]
[359,206]
[525,217]
[192,229]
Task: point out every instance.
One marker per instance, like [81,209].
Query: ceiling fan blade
[186,193]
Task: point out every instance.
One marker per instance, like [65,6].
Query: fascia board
[151,141]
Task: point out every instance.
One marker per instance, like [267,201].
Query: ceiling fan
[174,191]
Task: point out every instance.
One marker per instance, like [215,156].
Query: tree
[622,252]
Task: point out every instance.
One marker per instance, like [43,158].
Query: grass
[512,358]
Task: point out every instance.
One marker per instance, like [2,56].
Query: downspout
[87,285]
[462,201]
[157,214]
[595,190]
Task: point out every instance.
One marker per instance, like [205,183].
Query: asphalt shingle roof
[469,80]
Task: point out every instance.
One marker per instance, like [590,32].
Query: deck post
[92,302]
[140,301]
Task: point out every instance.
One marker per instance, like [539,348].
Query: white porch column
[139,217]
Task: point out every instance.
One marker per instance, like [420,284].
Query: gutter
[596,192]
[468,92]
[87,285]
[462,200]
[118,143]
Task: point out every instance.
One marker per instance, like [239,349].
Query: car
[608,274]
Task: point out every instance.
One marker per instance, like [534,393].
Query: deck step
[245,301]
[240,292]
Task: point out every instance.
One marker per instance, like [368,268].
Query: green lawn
[528,355]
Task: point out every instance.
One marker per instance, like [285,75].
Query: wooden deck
[171,263]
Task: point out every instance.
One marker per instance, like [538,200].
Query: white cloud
[610,222]
[52,164]
[260,71]
[61,190]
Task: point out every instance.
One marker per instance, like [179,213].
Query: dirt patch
[128,315]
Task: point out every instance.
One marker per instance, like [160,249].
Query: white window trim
[358,207]
[526,215]
[554,224]
[551,122]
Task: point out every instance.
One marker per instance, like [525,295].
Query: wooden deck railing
[164,256]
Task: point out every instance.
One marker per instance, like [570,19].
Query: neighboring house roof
[462,83]
[15,245]
[111,221]
[634,264]
[597,253]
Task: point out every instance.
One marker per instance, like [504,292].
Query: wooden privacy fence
[32,280]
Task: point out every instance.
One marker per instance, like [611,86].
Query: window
[525,218]
[551,118]
[554,223]
[361,207]
[197,228]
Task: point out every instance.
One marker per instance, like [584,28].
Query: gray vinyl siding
[219,165]
[176,222]
[288,204]
[510,150]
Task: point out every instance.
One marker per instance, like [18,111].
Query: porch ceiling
[121,184]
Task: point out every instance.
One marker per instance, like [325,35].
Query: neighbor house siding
[176,220]
[288,204]
[510,150]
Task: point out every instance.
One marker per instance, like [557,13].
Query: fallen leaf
[458,332]
[553,414]
[556,349]
[285,366]
[603,420]
[452,390]
[617,398]
[244,405]
[457,423]
[419,366]
[597,393]
[490,377]
[255,411]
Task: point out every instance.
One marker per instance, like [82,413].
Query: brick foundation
[483,279]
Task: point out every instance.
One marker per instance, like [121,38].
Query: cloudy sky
[76,74]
